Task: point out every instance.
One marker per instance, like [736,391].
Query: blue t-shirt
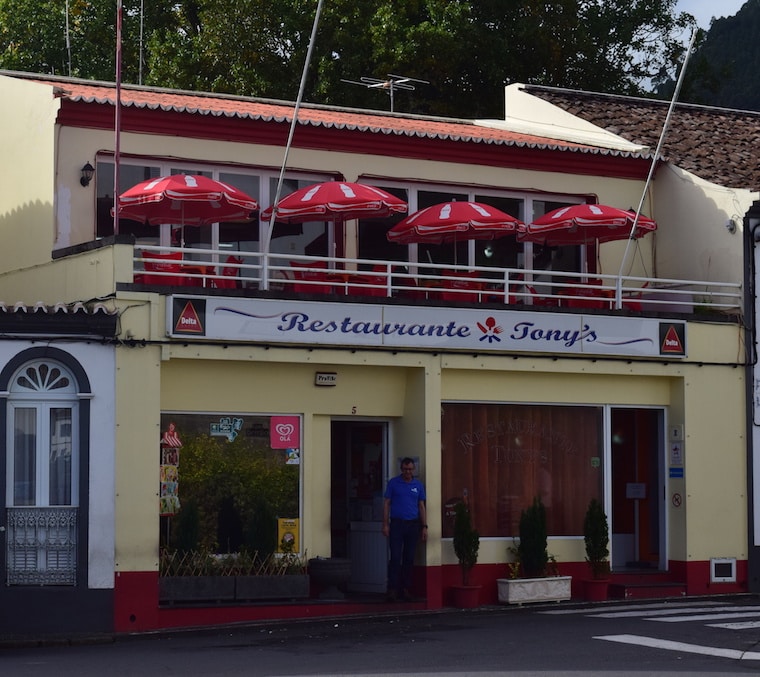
[405,497]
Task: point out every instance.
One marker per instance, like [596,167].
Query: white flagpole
[264,283]
[655,159]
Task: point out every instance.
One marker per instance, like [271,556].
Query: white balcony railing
[334,278]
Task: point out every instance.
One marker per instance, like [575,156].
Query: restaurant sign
[407,327]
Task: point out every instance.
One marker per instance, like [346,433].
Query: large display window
[230,482]
[499,457]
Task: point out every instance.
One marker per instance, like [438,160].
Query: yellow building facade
[496,401]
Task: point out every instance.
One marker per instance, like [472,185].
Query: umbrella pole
[655,158]
[264,283]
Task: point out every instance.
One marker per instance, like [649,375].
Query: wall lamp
[87,173]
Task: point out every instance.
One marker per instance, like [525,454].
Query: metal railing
[334,278]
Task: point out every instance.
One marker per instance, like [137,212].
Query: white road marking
[631,607]
[742,625]
[670,612]
[703,617]
[654,643]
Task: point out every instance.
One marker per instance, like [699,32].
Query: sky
[704,10]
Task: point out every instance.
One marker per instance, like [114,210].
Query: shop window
[228,483]
[498,457]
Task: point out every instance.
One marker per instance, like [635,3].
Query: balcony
[216,271]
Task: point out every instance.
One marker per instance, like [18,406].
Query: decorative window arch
[46,419]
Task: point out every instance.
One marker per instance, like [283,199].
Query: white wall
[98,363]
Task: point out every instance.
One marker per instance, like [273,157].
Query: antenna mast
[390,85]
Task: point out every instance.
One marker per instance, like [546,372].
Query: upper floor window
[365,239]
[504,252]
[235,236]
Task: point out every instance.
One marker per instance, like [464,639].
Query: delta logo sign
[672,339]
[188,316]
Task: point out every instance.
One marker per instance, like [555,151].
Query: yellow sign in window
[287,535]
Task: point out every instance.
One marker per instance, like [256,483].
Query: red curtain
[498,457]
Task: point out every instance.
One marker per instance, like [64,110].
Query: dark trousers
[402,540]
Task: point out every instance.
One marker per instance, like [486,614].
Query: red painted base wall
[136,607]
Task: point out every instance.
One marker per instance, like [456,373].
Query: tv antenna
[390,85]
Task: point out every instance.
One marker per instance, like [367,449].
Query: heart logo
[285,429]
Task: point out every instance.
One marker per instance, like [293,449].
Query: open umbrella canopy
[185,199]
[335,201]
[579,224]
[454,222]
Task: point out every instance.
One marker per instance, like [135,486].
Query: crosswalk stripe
[655,643]
[741,625]
[704,617]
[671,612]
[629,607]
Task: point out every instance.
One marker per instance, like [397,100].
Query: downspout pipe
[752,389]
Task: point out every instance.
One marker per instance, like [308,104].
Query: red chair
[458,290]
[163,263]
[539,300]
[633,301]
[310,279]
[413,291]
[375,285]
[230,273]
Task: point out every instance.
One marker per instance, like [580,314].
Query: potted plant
[533,573]
[466,546]
[596,538]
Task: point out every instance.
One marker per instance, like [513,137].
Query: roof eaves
[61,319]
[316,115]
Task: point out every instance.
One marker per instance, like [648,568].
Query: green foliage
[596,538]
[261,533]
[187,527]
[243,474]
[532,549]
[468,50]
[722,71]
[466,541]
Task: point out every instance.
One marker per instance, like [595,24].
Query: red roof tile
[309,114]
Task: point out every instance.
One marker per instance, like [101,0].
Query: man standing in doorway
[404,519]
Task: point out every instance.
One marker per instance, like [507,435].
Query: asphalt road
[715,636]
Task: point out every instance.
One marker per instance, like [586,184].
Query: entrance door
[638,531]
[359,450]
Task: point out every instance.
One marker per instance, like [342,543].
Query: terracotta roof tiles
[377,122]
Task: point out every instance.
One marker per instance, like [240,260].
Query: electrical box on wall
[723,570]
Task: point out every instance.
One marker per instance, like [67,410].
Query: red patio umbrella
[585,223]
[335,201]
[454,222]
[186,200]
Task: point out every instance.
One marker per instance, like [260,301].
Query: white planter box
[526,590]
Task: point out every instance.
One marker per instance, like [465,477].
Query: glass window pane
[499,457]
[373,240]
[503,252]
[225,487]
[129,175]
[241,236]
[60,456]
[25,456]
[449,252]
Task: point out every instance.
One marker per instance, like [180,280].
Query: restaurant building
[239,399]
